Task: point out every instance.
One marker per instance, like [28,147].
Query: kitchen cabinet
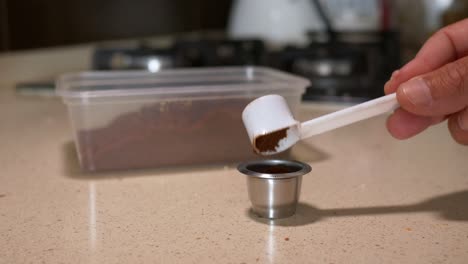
[44,23]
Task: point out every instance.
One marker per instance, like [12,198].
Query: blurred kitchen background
[348,48]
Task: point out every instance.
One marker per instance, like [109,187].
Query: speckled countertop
[369,198]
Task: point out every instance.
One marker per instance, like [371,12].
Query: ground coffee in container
[138,119]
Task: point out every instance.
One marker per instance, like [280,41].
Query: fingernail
[463,120]
[417,92]
[394,74]
[386,85]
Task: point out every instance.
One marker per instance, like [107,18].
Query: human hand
[433,86]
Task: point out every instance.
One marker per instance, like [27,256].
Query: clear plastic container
[139,119]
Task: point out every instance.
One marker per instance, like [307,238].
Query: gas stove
[352,67]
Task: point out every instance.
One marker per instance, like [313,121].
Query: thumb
[440,92]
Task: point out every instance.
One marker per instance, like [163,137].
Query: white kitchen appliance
[289,21]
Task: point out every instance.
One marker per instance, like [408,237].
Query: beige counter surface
[369,199]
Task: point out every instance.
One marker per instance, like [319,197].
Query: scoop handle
[348,115]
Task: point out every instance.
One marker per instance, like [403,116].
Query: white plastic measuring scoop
[272,128]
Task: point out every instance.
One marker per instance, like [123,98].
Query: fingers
[447,45]
[428,99]
[402,124]
[433,85]
[438,119]
[458,126]
[438,93]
